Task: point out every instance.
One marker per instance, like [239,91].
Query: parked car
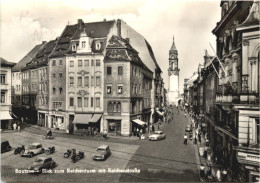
[187,128]
[157,135]
[42,163]
[103,152]
[32,150]
[5,146]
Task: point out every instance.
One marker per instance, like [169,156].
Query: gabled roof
[5,63]
[27,58]
[118,49]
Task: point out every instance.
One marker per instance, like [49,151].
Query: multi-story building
[6,89]
[127,88]
[238,90]
[17,82]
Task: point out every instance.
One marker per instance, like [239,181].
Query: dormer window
[74,47]
[83,44]
[98,46]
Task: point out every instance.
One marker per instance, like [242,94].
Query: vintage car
[5,146]
[187,128]
[157,135]
[33,149]
[103,152]
[42,163]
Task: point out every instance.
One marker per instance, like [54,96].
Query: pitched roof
[152,55]
[95,30]
[119,49]
[27,58]
[5,63]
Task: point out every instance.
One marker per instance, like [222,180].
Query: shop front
[138,126]
[6,120]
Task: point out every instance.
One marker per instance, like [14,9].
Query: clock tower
[173,72]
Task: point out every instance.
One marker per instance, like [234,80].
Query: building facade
[6,91]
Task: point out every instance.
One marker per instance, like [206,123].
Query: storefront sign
[251,157]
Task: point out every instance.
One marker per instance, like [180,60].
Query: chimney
[80,23]
[127,40]
[118,24]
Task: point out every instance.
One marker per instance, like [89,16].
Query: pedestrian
[218,175]
[195,140]
[224,173]
[199,136]
[185,115]
[185,139]
[202,171]
[14,126]
[153,128]
[19,127]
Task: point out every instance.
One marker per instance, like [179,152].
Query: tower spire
[173,47]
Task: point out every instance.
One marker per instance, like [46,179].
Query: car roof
[43,158]
[158,131]
[103,147]
[35,144]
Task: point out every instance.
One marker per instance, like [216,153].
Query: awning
[5,115]
[95,118]
[82,118]
[139,122]
[160,113]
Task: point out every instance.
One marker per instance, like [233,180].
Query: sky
[26,23]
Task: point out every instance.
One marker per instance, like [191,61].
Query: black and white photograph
[130,91]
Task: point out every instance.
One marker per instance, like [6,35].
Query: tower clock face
[173,56]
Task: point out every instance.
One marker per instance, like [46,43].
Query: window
[53,75]
[92,62]
[120,70]
[3,79]
[79,81]
[60,90]
[257,130]
[71,81]
[97,81]
[71,101]
[119,89]
[86,81]
[98,46]
[97,102]
[92,101]
[97,63]
[109,89]
[135,88]
[60,76]
[92,81]
[109,70]
[56,105]
[2,97]
[83,44]
[53,62]
[85,101]
[53,90]
[79,102]
[86,62]
[71,63]
[60,62]
[74,47]
[79,63]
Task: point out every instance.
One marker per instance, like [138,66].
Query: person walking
[185,139]
[14,126]
[19,127]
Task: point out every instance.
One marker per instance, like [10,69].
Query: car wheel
[47,151]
